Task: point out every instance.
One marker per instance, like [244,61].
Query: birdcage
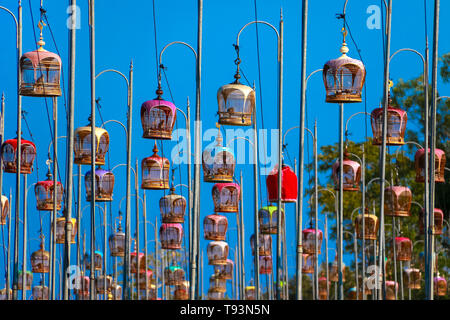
[265,264]
[226,197]
[397,201]
[265,244]
[352,174]
[217,252]
[215,227]
[225,271]
[412,277]
[171,235]
[217,283]
[145,278]
[391,290]
[268,219]
[81,286]
[236,104]
[40,260]
[4,210]
[173,275]
[419,160]
[116,291]
[9,156]
[309,241]
[82,145]
[181,291]
[250,293]
[334,274]
[155,172]
[61,230]
[158,118]
[218,163]
[28,280]
[396,126]
[100,284]
[135,260]
[40,292]
[344,78]
[323,288]
[117,243]
[440,286]
[4,294]
[309,261]
[371,225]
[403,248]
[172,207]
[44,191]
[98,260]
[438,221]
[354,294]
[104,185]
[288,184]
[214,295]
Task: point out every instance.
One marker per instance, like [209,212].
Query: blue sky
[124,32]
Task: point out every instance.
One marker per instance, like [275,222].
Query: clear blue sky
[124,32]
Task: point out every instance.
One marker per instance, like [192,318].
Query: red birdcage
[181,291]
[173,276]
[309,243]
[344,78]
[397,201]
[265,264]
[61,230]
[44,191]
[391,289]
[352,174]
[82,145]
[396,125]
[403,248]
[412,278]
[134,258]
[419,160]
[250,293]
[218,162]
[217,283]
[217,252]
[9,156]
[438,221]
[289,185]
[323,288]
[28,280]
[268,219]
[215,227]
[265,245]
[172,207]
[440,286]
[40,260]
[171,235]
[100,284]
[226,197]
[236,104]
[371,225]
[4,210]
[225,271]
[98,261]
[155,172]
[158,118]
[104,185]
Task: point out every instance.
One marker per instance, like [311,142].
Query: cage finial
[344,49]
[41,41]
[219,138]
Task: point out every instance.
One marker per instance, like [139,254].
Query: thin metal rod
[138,264]
[255,215]
[341,202]
[24,257]
[316,214]
[55,183]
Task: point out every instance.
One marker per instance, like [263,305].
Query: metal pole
[255,195]
[301,151]
[316,214]
[394,249]
[79,225]
[242,245]
[341,202]
[144,211]
[8,262]
[138,264]
[105,243]
[24,259]
[55,181]
[156,257]
[189,164]
[363,205]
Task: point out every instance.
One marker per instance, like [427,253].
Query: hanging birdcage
[40,292]
[403,248]
[61,230]
[155,172]
[396,126]
[214,295]
[397,201]
[104,185]
[323,288]
[288,184]
[218,163]
[135,260]
[217,283]
[117,242]
[265,245]
[173,275]
[9,156]
[412,277]
[268,219]
[44,194]
[309,243]
[250,293]
[419,160]
[265,264]
[145,279]
[4,210]
[116,291]
[4,294]
[81,286]
[344,77]
[236,104]
[334,272]
[225,271]
[391,289]
[82,145]
[158,118]
[308,263]
[226,197]
[352,174]
[172,207]
[371,225]
[100,284]
[215,227]
[171,235]
[438,221]
[217,252]
[440,286]
[181,291]
[28,280]
[40,260]
[98,261]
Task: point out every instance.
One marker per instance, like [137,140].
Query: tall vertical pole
[189,165]
[280,155]
[316,213]
[105,244]
[156,257]
[301,152]
[144,211]
[383,149]
[255,195]
[341,202]
[55,181]
[8,258]
[69,154]
[242,245]
[363,205]
[2,133]
[197,135]
[93,144]
[430,231]
[138,263]
[24,258]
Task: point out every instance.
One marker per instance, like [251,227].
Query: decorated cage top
[236,104]
[158,118]
[352,174]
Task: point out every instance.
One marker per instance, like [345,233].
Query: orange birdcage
[236,104]
[155,172]
[265,244]
[100,284]
[371,225]
[98,260]
[352,174]
[61,230]
[173,275]
[225,271]
[217,283]
[104,185]
[419,160]
[323,288]
[218,162]
[391,289]
[44,191]
[438,221]
[4,210]
[172,207]
[82,145]
[398,201]
[226,197]
[181,291]
[40,260]
[403,248]
[440,286]
[412,278]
